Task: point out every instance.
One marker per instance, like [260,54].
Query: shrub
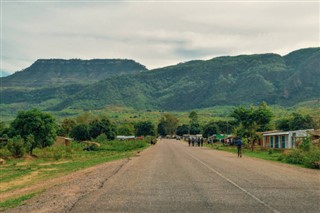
[306,144]
[280,158]
[312,159]
[16,147]
[270,151]
[295,157]
[5,153]
[101,138]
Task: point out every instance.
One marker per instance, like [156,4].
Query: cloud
[155,34]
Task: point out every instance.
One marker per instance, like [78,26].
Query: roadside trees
[40,125]
[210,129]
[144,128]
[80,132]
[183,129]
[252,120]
[126,129]
[194,127]
[66,126]
[103,126]
[168,124]
[296,121]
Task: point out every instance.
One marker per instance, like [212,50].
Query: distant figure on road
[239,146]
[153,141]
[189,141]
[201,141]
[193,141]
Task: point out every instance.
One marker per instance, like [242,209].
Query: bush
[295,157]
[16,147]
[101,138]
[5,153]
[280,158]
[312,159]
[306,144]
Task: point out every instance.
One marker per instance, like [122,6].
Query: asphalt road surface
[173,177]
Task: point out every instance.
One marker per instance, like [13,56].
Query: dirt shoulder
[61,193]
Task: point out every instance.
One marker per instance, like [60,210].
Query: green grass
[257,153]
[12,203]
[56,161]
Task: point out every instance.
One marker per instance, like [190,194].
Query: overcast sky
[155,34]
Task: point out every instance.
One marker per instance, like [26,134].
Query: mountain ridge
[225,80]
[70,71]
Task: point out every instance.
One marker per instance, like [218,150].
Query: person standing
[189,141]
[239,147]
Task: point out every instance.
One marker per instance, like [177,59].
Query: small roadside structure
[283,139]
[123,137]
[224,138]
[63,141]
[315,136]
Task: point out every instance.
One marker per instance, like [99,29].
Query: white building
[283,140]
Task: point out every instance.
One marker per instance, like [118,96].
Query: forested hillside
[244,79]
[50,72]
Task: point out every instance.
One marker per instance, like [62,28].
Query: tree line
[36,129]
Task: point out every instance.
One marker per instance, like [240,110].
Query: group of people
[199,141]
[195,141]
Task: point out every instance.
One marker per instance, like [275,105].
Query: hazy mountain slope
[51,72]
[244,79]
[304,83]
[220,81]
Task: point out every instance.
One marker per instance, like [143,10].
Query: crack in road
[102,183]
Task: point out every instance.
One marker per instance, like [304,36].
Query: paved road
[172,177]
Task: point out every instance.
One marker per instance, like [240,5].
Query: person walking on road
[239,146]
[189,141]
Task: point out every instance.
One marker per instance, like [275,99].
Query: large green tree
[144,128]
[210,129]
[193,116]
[250,120]
[225,126]
[295,122]
[194,126]
[183,129]
[103,126]
[80,132]
[66,126]
[126,129]
[39,124]
[168,124]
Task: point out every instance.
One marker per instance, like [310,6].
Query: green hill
[244,79]
[51,72]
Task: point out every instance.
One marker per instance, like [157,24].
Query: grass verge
[12,203]
[302,158]
[273,155]
[57,161]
